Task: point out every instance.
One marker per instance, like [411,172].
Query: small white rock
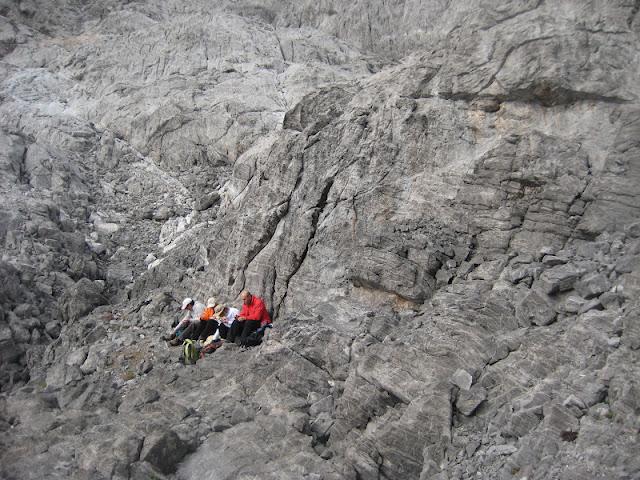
[154,264]
[614,342]
[573,401]
[462,379]
[107,228]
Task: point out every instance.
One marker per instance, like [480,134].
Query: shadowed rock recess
[439,201]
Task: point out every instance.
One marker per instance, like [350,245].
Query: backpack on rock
[255,338]
[190,352]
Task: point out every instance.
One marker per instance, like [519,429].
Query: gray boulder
[558,279]
[535,309]
[469,400]
[82,298]
[462,379]
[163,450]
[593,285]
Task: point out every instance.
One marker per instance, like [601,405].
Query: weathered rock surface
[440,203]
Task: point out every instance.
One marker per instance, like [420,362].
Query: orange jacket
[207,314]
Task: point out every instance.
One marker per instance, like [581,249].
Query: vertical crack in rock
[506,56]
[318,209]
[270,230]
[23,175]
[633,13]
[516,14]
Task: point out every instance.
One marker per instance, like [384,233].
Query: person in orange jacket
[253,315]
[204,326]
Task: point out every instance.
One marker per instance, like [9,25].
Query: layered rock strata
[449,245]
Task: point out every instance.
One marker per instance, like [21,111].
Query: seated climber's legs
[173,334]
[208,328]
[224,330]
[235,331]
[198,329]
[248,328]
[191,332]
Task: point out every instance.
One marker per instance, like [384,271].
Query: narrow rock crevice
[315,216]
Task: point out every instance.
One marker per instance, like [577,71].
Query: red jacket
[255,311]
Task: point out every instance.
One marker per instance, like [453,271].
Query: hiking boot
[175,342]
[168,336]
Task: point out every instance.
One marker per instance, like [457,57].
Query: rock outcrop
[439,204]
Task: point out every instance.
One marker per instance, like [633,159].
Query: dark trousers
[200,330]
[210,328]
[192,331]
[241,330]
[224,330]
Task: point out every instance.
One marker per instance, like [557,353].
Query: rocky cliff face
[439,203]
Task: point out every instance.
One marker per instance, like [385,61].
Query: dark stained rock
[163,450]
[469,400]
[560,420]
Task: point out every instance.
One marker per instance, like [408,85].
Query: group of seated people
[215,321]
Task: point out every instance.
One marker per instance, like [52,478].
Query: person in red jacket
[252,316]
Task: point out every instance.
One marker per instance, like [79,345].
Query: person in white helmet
[193,310]
[207,326]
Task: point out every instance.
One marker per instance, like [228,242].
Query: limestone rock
[82,298]
[323,405]
[163,450]
[610,300]
[535,309]
[163,213]
[469,400]
[138,399]
[53,328]
[573,304]
[633,230]
[553,260]
[107,228]
[10,351]
[144,471]
[590,305]
[522,422]
[408,192]
[207,201]
[558,279]
[77,358]
[93,359]
[560,420]
[96,247]
[462,379]
[573,401]
[593,285]
[20,334]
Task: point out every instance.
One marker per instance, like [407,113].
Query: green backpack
[190,352]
